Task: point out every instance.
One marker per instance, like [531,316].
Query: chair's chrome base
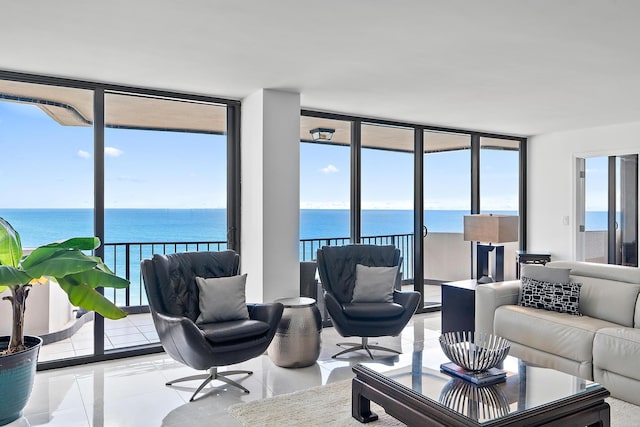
[212,375]
[364,345]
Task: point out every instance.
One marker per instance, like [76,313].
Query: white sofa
[601,345]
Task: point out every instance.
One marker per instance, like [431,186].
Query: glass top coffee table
[419,394]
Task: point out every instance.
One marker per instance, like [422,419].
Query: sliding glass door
[607,209]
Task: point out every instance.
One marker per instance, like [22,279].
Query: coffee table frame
[412,408]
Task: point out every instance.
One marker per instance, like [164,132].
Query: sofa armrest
[489,297]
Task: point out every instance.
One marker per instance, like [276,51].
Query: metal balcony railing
[124,260]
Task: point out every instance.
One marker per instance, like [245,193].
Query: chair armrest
[183,340]
[489,297]
[268,313]
[170,324]
[408,299]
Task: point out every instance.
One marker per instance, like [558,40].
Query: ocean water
[146,226]
[40,226]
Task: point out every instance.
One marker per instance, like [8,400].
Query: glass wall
[500,190]
[447,198]
[46,140]
[166,166]
[460,173]
[165,192]
[608,209]
[325,176]
[387,189]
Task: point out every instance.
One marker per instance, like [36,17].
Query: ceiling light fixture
[322,134]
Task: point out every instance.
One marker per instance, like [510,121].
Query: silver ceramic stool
[297,340]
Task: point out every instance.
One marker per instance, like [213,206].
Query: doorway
[607,209]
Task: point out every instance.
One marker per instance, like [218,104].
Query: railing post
[127,273]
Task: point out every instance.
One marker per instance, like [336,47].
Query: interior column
[270,187]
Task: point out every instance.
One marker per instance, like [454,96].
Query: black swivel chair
[173,300]
[308,281]
[337,269]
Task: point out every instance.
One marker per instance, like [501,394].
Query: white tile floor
[134,329]
[131,392]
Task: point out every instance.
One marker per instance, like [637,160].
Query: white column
[270,186]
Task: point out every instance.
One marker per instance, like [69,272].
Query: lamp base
[485,279]
[495,274]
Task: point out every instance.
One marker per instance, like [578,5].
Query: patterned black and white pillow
[565,297]
[560,297]
[534,294]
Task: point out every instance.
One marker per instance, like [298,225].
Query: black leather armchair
[337,269]
[173,299]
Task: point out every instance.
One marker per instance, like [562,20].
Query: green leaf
[12,276]
[81,243]
[55,262]
[84,296]
[95,278]
[10,246]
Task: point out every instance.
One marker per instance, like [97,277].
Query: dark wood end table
[458,306]
[524,257]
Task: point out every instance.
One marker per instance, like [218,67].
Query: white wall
[270,186]
[551,181]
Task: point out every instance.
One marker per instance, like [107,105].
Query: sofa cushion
[608,300]
[545,274]
[560,334]
[618,350]
[617,273]
[608,292]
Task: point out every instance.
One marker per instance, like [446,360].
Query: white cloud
[112,152]
[329,169]
[83,154]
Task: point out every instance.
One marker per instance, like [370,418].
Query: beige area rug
[330,405]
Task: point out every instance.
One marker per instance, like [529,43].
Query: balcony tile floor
[131,392]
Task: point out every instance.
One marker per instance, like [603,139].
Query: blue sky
[47,165]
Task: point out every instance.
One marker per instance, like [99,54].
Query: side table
[458,306]
[296,343]
[524,257]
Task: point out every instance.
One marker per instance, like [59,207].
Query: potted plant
[76,273]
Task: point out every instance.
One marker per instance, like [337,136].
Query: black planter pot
[17,372]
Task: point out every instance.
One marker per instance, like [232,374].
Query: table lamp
[489,228]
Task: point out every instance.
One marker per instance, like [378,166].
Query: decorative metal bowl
[474,352]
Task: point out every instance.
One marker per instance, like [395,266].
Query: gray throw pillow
[374,284]
[222,299]
[545,274]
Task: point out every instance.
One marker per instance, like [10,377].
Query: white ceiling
[519,67]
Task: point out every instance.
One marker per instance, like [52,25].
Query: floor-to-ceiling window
[386,182]
[447,198]
[46,140]
[165,179]
[165,191]
[325,174]
[500,191]
[450,181]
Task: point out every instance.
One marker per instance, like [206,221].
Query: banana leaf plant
[64,263]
